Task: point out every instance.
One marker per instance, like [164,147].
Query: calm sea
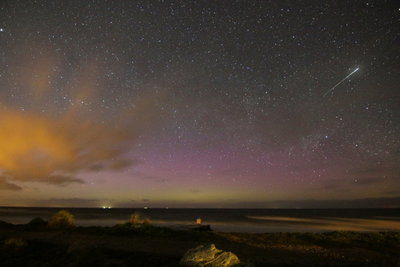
[228,220]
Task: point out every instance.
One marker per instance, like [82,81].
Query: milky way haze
[199,103]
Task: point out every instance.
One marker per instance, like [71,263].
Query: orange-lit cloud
[5,185]
[53,150]
[56,145]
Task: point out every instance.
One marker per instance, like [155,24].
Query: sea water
[227,220]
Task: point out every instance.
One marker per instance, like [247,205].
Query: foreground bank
[37,244]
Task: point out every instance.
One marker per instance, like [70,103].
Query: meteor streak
[330,90]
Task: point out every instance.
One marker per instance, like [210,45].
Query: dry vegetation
[62,219]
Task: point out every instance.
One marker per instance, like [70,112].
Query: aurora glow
[197,104]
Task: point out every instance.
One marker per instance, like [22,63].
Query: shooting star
[330,90]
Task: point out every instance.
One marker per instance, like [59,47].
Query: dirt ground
[153,246]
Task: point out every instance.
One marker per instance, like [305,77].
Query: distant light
[104,207]
[145,208]
[1,30]
[109,207]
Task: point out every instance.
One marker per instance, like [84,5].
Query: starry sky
[198,103]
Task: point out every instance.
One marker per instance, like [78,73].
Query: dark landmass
[35,244]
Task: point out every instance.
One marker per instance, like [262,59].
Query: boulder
[208,256]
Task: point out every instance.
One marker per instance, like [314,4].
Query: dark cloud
[331,185]
[231,172]
[152,178]
[345,185]
[368,181]
[5,185]
[393,202]
[195,191]
[115,165]
[69,202]
[63,180]
[155,179]
[391,193]
[367,171]
[121,164]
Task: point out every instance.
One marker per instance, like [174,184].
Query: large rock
[208,256]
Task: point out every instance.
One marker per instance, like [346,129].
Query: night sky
[198,103]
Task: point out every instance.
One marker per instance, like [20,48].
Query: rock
[208,256]
[201,254]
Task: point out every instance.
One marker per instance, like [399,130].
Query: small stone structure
[209,256]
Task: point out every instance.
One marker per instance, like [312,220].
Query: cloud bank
[53,150]
[43,139]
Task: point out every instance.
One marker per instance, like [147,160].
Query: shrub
[146,221]
[37,223]
[135,218]
[5,225]
[62,219]
[15,243]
